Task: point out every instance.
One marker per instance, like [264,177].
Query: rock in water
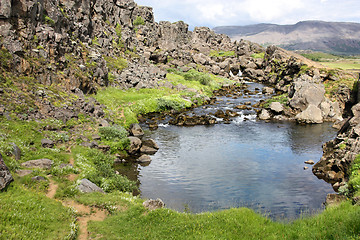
[152,204]
[276,107]
[87,186]
[5,175]
[311,114]
[144,159]
[135,144]
[136,130]
[264,115]
[311,162]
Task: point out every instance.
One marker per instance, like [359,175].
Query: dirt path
[86,213]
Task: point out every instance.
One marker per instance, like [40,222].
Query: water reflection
[257,165]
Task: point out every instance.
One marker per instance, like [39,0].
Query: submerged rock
[136,130]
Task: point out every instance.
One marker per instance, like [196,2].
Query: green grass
[219,53]
[283,99]
[27,136]
[335,61]
[26,214]
[126,105]
[343,64]
[342,222]
[258,55]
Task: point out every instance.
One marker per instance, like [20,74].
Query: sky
[211,13]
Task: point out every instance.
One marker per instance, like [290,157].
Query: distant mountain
[332,37]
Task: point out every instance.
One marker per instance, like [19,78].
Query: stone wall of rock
[339,153]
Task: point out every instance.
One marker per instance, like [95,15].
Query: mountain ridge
[332,37]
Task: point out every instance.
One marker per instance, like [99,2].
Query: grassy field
[335,61]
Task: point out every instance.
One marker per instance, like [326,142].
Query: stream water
[247,163]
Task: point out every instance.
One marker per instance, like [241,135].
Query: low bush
[97,167]
[115,132]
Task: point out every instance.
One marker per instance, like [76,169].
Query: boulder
[23,173]
[311,114]
[144,159]
[310,162]
[38,178]
[135,145]
[136,130]
[39,163]
[268,90]
[5,175]
[47,143]
[334,199]
[5,8]
[264,115]
[150,143]
[302,94]
[276,107]
[152,204]
[16,152]
[148,150]
[87,186]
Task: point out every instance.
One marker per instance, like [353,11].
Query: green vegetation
[335,61]
[116,64]
[97,167]
[283,99]
[27,214]
[215,53]
[138,21]
[49,21]
[258,55]
[135,222]
[354,182]
[127,105]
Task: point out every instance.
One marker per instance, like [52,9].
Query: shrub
[115,132]
[139,21]
[194,75]
[168,104]
[97,167]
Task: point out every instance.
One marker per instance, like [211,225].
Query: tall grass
[26,214]
[342,222]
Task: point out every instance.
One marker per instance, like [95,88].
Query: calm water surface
[247,163]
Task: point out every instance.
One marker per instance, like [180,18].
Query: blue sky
[213,13]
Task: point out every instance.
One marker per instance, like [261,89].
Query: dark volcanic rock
[5,175]
[46,143]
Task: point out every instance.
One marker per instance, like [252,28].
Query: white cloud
[241,12]
[267,11]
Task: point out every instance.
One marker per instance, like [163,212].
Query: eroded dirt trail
[85,213]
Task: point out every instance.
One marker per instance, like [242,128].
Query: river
[247,163]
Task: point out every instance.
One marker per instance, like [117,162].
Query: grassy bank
[135,222]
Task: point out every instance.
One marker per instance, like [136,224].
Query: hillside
[333,37]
